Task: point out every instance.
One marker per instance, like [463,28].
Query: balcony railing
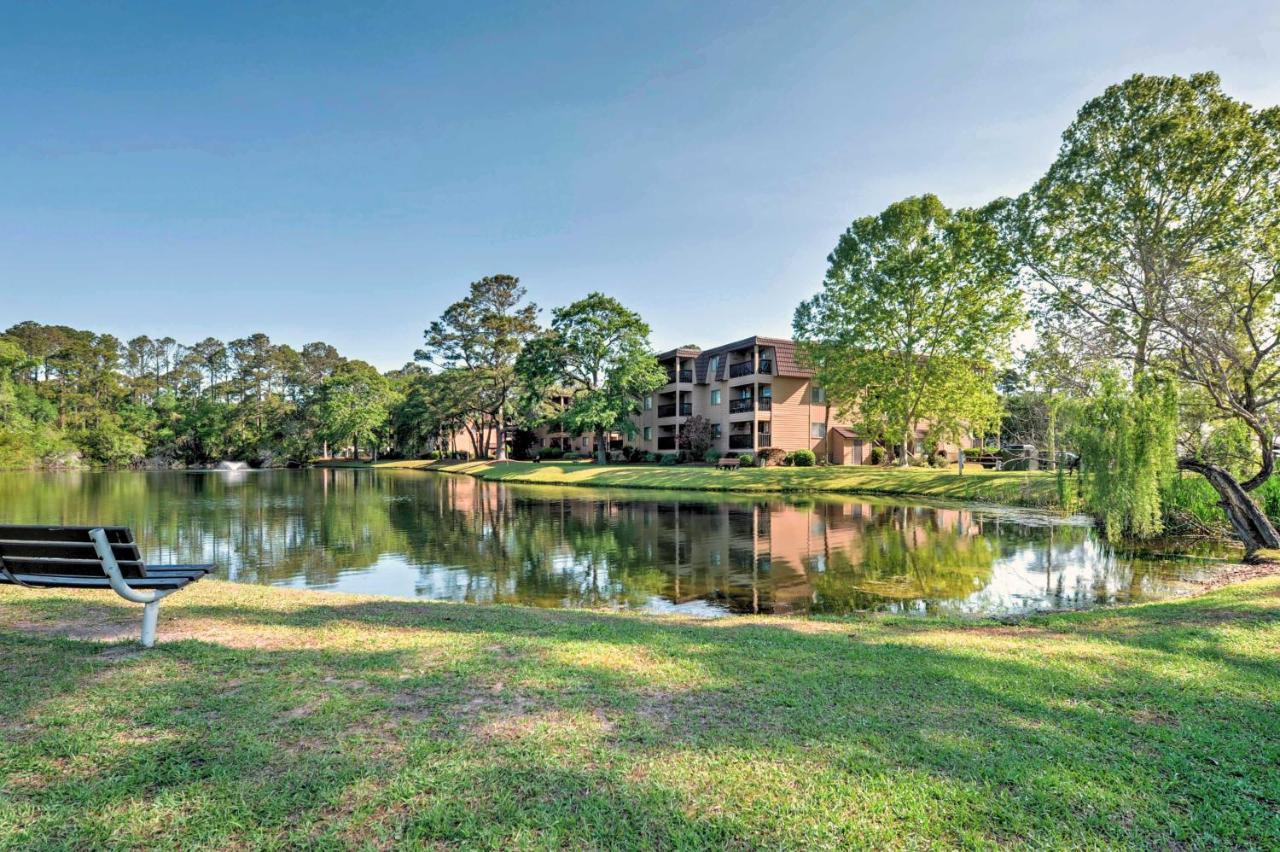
[741,442]
[682,376]
[685,409]
[765,368]
[746,368]
[738,406]
[764,439]
[667,443]
[765,403]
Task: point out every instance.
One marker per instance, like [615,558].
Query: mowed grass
[273,718]
[1015,488]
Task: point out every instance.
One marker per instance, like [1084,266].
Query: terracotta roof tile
[787,360]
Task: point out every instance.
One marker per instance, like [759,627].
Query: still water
[424,535]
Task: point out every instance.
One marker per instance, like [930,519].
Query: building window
[715,365]
[648,433]
[818,431]
[744,392]
[715,431]
[715,397]
[648,402]
[819,396]
[766,392]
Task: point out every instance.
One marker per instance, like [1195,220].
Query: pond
[426,535]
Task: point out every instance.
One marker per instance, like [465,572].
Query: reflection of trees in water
[478,541]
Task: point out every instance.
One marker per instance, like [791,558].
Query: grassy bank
[281,718]
[1007,487]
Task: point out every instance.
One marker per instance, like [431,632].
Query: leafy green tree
[1154,177]
[483,334]
[917,305]
[597,351]
[355,402]
[1152,242]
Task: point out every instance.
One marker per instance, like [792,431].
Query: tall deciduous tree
[597,351]
[483,334]
[917,305]
[355,401]
[1151,239]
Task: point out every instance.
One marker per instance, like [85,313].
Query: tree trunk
[1252,527]
[355,448]
[501,420]
[902,457]
[602,446]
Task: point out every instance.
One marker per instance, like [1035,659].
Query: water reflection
[422,535]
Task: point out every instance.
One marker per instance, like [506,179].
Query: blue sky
[342,171]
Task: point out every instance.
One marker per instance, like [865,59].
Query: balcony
[667,443]
[746,368]
[765,403]
[739,406]
[685,409]
[764,440]
[741,441]
[684,377]
[765,367]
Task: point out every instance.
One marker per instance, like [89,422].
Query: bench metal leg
[150,616]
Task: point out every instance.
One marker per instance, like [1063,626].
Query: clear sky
[341,171]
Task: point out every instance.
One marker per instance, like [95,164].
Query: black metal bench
[91,558]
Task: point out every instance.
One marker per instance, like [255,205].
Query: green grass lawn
[1017,488]
[274,718]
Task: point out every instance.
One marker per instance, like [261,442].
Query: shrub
[669,459]
[650,458]
[939,459]
[746,459]
[803,458]
[877,455]
[572,456]
[711,456]
[770,457]
[697,435]
[550,453]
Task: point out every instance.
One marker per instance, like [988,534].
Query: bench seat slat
[86,567]
[100,582]
[65,550]
[38,532]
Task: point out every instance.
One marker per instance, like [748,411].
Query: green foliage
[1127,444]
[669,459]
[711,456]
[597,352]
[803,458]
[746,459]
[917,304]
[481,336]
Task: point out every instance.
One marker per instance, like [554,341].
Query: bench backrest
[66,551]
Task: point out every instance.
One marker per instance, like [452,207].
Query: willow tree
[917,304]
[1161,187]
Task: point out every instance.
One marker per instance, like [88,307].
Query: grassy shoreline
[273,717]
[1013,488]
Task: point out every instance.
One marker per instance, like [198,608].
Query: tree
[597,352]
[354,402]
[484,334]
[1151,240]
[697,434]
[917,305]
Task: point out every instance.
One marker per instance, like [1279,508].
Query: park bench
[728,463]
[91,558]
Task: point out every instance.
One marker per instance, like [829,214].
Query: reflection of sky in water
[417,535]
